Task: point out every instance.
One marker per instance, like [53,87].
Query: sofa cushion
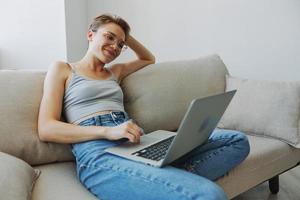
[17,178]
[267,158]
[59,181]
[20,96]
[157,96]
[264,108]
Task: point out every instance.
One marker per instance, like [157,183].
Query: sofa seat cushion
[267,157]
[59,181]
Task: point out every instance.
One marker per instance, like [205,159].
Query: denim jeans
[110,177]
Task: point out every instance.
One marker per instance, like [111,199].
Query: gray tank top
[84,96]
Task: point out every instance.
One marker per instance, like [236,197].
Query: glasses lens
[124,48]
[111,39]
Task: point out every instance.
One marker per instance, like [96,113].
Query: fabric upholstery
[58,181]
[17,178]
[264,108]
[20,96]
[267,158]
[157,96]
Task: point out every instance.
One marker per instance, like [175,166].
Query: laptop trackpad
[145,140]
[161,134]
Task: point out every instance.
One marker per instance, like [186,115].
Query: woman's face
[107,43]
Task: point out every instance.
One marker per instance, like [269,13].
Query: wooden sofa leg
[274,184]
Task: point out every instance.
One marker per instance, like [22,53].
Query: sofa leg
[274,184]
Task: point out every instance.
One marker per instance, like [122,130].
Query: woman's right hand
[128,130]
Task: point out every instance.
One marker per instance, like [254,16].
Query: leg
[115,178]
[274,184]
[224,150]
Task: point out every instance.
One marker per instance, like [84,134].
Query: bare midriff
[92,115]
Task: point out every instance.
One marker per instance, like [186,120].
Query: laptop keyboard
[156,151]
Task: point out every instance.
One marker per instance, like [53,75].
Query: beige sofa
[156,97]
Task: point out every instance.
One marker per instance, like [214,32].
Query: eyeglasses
[111,39]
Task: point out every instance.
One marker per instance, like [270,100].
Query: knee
[241,143]
[244,142]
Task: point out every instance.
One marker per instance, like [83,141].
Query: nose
[115,46]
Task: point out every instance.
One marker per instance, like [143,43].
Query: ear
[90,35]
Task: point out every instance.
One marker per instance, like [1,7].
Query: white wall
[32,33]
[76,29]
[257,39]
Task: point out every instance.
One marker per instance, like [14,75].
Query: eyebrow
[115,36]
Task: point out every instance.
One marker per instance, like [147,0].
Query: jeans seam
[129,173]
[222,148]
[190,166]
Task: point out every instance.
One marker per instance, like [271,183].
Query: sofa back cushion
[20,96]
[264,108]
[157,96]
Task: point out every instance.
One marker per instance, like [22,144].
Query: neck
[91,62]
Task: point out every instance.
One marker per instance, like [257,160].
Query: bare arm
[51,129]
[144,58]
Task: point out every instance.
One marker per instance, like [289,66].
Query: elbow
[44,133]
[152,60]
[49,132]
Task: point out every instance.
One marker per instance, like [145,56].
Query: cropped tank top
[84,96]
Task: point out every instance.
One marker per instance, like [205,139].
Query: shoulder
[60,69]
[60,66]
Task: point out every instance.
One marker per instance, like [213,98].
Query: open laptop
[161,147]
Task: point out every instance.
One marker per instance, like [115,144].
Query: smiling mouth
[111,54]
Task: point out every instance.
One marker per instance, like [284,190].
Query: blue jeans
[110,177]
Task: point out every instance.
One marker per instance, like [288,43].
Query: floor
[289,184]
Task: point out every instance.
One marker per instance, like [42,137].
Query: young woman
[87,92]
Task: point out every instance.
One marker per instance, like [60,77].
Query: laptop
[161,147]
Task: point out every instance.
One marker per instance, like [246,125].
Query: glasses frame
[113,41]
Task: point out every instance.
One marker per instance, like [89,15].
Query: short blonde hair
[108,18]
